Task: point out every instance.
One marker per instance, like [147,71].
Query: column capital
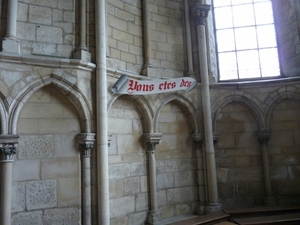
[198,137]
[8,147]
[263,136]
[200,13]
[152,139]
[86,143]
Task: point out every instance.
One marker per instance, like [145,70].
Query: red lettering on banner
[167,85]
[185,83]
[135,86]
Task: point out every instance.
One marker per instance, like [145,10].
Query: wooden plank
[204,219]
[289,218]
[261,209]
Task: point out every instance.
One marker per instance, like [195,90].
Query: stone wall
[46,172]
[125,37]
[129,193]
[239,114]
[47,27]
[287,20]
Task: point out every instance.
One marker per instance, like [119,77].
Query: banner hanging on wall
[125,85]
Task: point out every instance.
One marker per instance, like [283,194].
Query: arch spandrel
[143,106]
[252,106]
[70,91]
[186,105]
[277,96]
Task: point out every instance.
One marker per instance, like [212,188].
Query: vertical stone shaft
[263,138]
[147,47]
[6,180]
[188,38]
[152,174]
[152,139]
[11,27]
[10,42]
[8,149]
[200,14]
[86,144]
[82,24]
[101,106]
[201,172]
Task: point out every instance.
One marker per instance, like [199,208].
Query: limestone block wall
[125,37]
[176,163]
[287,20]
[284,151]
[47,27]
[128,176]
[46,172]
[239,113]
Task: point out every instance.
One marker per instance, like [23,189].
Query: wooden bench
[208,219]
[261,211]
[283,219]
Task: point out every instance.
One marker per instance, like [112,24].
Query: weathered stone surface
[165,180]
[131,185]
[138,218]
[18,197]
[61,216]
[68,192]
[184,194]
[142,202]
[122,206]
[26,170]
[60,167]
[41,194]
[36,146]
[27,218]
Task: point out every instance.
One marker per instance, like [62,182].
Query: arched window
[246,39]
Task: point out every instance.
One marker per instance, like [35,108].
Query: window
[246,39]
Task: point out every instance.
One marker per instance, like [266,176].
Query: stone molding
[152,139]
[86,143]
[263,137]
[8,147]
[200,13]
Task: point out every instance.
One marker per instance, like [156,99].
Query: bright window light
[246,39]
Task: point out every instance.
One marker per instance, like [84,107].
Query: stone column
[263,138]
[101,106]
[86,144]
[200,14]
[201,172]
[152,139]
[8,148]
[10,42]
[82,52]
[147,69]
[188,39]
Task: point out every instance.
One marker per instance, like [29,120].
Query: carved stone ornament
[200,13]
[8,152]
[8,147]
[152,139]
[86,143]
[263,137]
[86,148]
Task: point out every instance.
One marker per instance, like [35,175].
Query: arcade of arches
[74,152]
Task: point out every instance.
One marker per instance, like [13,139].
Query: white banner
[124,85]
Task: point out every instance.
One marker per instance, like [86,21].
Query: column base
[83,55]
[11,45]
[201,209]
[269,201]
[154,218]
[213,207]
